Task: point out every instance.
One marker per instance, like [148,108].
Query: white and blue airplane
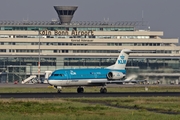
[91,76]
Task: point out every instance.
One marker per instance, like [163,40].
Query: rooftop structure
[75,23]
[65,13]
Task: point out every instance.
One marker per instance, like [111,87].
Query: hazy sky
[161,15]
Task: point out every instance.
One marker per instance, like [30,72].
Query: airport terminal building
[63,43]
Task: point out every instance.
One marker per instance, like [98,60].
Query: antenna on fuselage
[142,18]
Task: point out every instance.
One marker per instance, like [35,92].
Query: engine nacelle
[114,75]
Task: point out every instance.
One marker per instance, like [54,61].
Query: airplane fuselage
[81,77]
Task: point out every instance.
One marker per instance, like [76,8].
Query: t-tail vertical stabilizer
[121,60]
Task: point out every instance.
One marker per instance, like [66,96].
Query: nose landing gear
[59,89]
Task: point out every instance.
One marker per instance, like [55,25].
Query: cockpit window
[58,75]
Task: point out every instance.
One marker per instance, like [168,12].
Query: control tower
[65,13]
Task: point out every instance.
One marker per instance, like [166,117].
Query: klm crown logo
[122,57]
[122,61]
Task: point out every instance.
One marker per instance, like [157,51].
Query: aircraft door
[95,75]
[68,77]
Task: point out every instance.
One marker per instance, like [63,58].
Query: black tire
[58,91]
[103,90]
[80,90]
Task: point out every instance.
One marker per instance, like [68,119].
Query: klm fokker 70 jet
[91,76]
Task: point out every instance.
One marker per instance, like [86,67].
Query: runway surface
[2,85]
[88,95]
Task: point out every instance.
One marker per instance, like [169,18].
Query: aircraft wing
[134,81]
[125,81]
[106,82]
[116,82]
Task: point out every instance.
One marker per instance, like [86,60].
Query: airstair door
[68,76]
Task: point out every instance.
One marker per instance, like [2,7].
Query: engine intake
[114,75]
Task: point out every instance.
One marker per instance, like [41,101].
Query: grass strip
[73,109]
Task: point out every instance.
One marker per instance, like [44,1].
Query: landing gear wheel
[80,90]
[58,91]
[103,90]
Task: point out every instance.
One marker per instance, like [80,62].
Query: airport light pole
[39,64]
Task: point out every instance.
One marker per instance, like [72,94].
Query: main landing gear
[103,90]
[80,89]
[59,90]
